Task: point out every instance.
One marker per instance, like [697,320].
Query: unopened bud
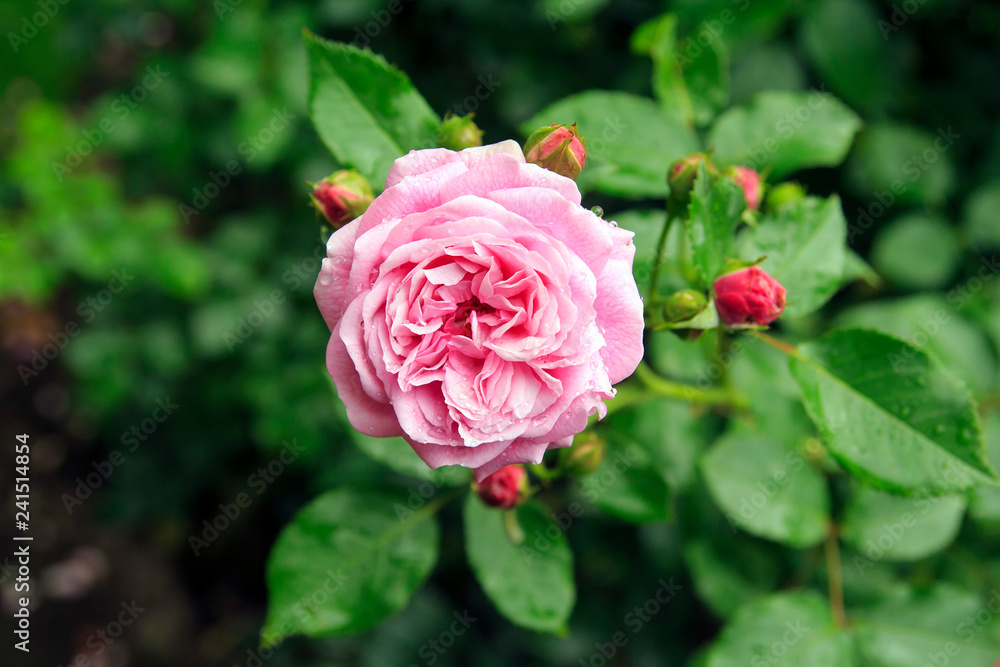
[342,196]
[459,132]
[558,148]
[682,306]
[751,184]
[783,194]
[683,173]
[505,488]
[748,296]
[585,455]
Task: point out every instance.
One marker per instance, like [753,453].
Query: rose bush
[478,310]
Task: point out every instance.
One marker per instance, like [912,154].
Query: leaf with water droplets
[891,413]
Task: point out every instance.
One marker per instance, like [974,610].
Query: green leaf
[784,630]
[347,561]
[891,414]
[805,243]
[630,143]
[918,251]
[985,505]
[715,210]
[397,454]
[856,268]
[894,163]
[531,583]
[785,132]
[728,574]
[668,432]
[911,628]
[881,525]
[843,41]
[929,321]
[768,489]
[366,111]
[980,220]
[639,495]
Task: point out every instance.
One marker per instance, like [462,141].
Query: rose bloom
[478,310]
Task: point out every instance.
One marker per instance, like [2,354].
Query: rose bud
[342,196]
[784,193]
[585,455]
[682,174]
[682,306]
[748,296]
[751,184]
[459,132]
[504,488]
[558,148]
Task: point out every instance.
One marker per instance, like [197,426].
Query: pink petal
[619,311]
[365,414]
[331,284]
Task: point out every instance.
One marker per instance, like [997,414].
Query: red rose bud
[748,296]
[503,488]
[458,133]
[342,196]
[751,184]
[683,173]
[558,148]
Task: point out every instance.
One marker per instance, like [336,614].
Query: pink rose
[478,310]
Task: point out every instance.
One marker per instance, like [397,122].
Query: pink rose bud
[558,148]
[748,296]
[682,174]
[749,181]
[458,133]
[503,488]
[342,196]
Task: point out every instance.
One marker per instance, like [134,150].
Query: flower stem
[835,577]
[781,345]
[661,246]
[670,389]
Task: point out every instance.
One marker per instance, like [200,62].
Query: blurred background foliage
[169,141]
